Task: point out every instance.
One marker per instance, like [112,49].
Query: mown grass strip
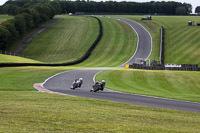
[167,84]
[39,112]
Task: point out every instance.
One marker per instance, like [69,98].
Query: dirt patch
[1,21]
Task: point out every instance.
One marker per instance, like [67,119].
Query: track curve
[61,82]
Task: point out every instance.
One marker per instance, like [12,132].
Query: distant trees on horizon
[13,7]
[167,8]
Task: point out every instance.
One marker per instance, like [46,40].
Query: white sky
[194,3]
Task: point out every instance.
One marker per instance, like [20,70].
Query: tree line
[167,8]
[13,7]
[28,14]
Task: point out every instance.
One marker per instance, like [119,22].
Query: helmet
[81,79]
[103,81]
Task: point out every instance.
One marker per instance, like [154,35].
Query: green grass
[64,41]
[15,59]
[4,18]
[39,112]
[181,41]
[117,46]
[118,42]
[22,110]
[23,38]
[23,78]
[168,84]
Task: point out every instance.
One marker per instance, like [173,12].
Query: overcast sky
[194,3]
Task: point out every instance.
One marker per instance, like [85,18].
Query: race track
[61,82]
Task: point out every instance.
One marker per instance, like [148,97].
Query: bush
[5,38]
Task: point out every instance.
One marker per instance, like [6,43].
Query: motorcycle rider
[77,83]
[98,86]
[80,82]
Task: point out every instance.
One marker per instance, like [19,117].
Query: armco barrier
[184,67]
[84,57]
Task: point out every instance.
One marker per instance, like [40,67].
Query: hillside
[181,41]
[64,41]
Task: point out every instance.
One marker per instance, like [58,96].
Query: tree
[44,11]
[20,24]
[36,17]
[10,26]
[11,9]
[197,10]
[4,38]
[181,11]
[28,21]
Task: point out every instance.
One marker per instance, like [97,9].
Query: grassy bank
[181,41]
[39,112]
[168,84]
[64,41]
[116,47]
[15,59]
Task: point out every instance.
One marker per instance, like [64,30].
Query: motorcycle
[77,83]
[98,86]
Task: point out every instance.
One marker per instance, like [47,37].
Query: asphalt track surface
[62,82]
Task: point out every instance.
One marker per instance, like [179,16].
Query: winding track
[61,82]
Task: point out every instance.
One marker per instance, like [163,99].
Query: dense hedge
[162,45]
[26,18]
[84,57]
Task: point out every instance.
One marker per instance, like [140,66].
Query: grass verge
[167,84]
[39,112]
[23,78]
